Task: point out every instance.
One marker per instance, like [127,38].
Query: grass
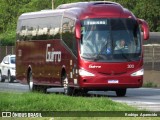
[54,102]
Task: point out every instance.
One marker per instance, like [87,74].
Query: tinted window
[43,28]
[68,34]
[13,60]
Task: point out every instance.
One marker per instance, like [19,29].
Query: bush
[150,85]
[8,38]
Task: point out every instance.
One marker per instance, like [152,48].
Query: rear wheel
[1,77]
[33,87]
[121,92]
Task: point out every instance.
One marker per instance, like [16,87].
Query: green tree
[9,13]
[149,11]
[10,10]
[127,3]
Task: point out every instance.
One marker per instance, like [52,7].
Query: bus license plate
[113,81]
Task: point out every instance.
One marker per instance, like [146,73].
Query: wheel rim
[30,82]
[30,85]
[65,84]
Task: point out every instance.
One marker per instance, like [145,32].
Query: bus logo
[94,66]
[51,55]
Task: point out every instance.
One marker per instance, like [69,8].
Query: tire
[67,90]
[10,79]
[39,88]
[33,87]
[80,92]
[121,92]
[1,77]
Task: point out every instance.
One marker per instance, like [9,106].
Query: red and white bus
[81,46]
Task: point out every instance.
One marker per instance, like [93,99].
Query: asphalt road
[142,98]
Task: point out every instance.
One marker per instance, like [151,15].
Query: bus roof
[82,10]
[42,13]
[85,4]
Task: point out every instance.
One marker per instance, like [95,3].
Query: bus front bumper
[110,82]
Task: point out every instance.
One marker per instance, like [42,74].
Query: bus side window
[54,32]
[42,28]
[51,33]
[22,33]
[68,34]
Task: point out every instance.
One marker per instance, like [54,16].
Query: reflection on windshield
[110,40]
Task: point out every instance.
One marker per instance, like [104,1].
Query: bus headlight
[138,73]
[83,72]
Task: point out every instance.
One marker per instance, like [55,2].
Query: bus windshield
[110,40]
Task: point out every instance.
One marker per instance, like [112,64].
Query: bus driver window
[121,44]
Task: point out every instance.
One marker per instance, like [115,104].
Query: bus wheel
[35,88]
[80,92]
[30,82]
[121,92]
[67,90]
[41,89]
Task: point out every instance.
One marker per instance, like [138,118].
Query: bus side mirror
[145,29]
[78,30]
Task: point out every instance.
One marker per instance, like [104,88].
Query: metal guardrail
[152,57]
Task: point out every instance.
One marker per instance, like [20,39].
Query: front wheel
[67,90]
[121,92]
[81,92]
[33,87]
[1,77]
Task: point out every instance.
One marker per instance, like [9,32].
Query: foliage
[150,85]
[8,38]
[149,11]
[11,9]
